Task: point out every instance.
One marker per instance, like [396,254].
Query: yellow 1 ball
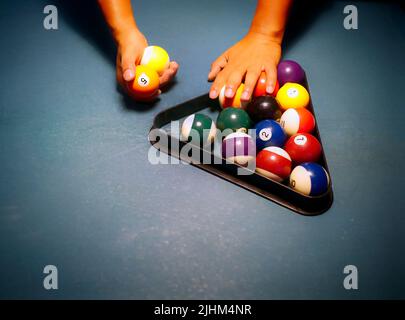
[292,95]
[156,58]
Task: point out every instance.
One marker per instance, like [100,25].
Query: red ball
[274,163]
[303,147]
[298,120]
[260,89]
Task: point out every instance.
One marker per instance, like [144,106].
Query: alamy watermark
[50,281]
[351,19]
[232,147]
[50,21]
[351,280]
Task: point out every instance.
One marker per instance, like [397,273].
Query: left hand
[246,60]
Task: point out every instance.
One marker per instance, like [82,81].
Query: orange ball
[260,89]
[234,102]
[146,82]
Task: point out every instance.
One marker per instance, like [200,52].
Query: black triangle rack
[280,193]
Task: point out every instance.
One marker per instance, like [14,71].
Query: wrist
[273,36]
[125,31]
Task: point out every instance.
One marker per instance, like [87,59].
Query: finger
[250,83]
[128,67]
[174,66]
[168,74]
[120,79]
[218,84]
[233,82]
[217,66]
[271,77]
[166,77]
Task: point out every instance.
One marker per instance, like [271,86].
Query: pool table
[77,190]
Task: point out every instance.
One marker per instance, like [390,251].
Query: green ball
[198,122]
[233,118]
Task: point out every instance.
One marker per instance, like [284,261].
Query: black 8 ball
[264,107]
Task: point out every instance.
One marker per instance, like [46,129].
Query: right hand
[130,50]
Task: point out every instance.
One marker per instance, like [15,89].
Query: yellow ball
[234,102]
[156,58]
[292,95]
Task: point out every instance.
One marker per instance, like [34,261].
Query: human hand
[131,46]
[245,61]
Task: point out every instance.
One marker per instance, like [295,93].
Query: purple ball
[238,147]
[290,71]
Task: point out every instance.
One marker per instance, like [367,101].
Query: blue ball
[310,179]
[269,133]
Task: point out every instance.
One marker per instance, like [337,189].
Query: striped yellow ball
[156,58]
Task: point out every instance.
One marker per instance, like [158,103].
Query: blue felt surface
[77,190]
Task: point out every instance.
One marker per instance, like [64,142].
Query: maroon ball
[290,71]
[303,147]
[238,147]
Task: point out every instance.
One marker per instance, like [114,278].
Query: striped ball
[298,120]
[310,179]
[274,163]
[203,125]
[238,147]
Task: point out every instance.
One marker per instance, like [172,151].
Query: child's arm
[259,50]
[130,40]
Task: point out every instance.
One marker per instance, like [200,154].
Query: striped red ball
[274,163]
[298,120]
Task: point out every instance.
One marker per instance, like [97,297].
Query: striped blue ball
[310,179]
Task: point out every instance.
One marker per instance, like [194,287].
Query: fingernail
[128,75]
[213,94]
[245,95]
[229,92]
[269,89]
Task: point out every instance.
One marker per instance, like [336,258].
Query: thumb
[128,67]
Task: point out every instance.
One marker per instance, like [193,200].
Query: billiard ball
[269,133]
[260,88]
[238,147]
[292,95]
[155,58]
[203,125]
[310,179]
[274,163]
[234,119]
[235,102]
[303,147]
[264,107]
[290,71]
[145,83]
[298,120]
